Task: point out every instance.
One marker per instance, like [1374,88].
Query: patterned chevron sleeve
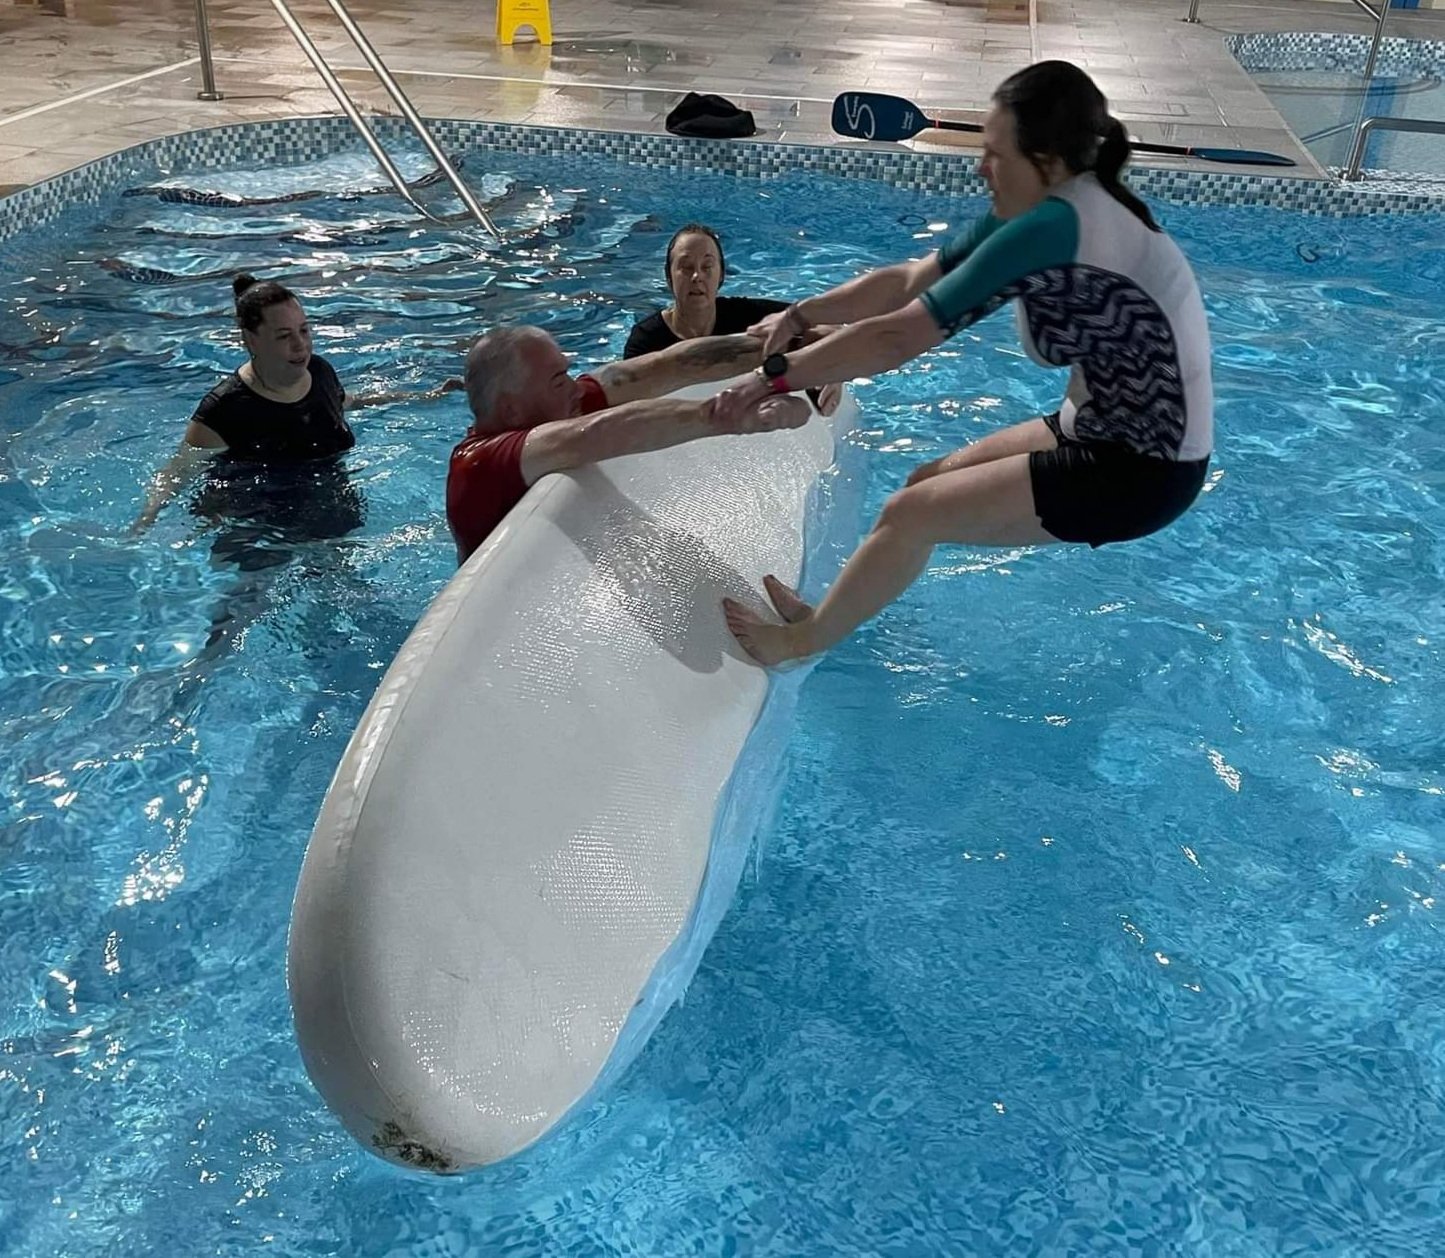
[987,265]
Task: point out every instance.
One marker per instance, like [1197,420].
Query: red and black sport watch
[775,373]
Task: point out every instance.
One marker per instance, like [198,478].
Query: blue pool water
[1100,912]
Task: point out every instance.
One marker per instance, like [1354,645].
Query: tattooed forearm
[688,362]
[718,351]
[615,377]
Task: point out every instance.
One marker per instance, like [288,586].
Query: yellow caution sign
[512,15]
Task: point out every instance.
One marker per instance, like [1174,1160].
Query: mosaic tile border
[1320,50]
[290,141]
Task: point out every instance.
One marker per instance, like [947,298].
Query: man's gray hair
[495,368]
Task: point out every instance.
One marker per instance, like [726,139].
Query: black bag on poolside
[712,117]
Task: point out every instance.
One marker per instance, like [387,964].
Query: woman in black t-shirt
[283,407]
[695,269]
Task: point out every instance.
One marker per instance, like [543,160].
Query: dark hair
[254,297]
[694,229]
[1058,111]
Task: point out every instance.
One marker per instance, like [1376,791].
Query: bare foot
[790,607]
[768,643]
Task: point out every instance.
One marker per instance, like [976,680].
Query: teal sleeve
[959,247]
[988,271]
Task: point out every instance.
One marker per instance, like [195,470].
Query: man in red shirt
[530,417]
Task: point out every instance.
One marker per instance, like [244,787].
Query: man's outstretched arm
[649,424]
[698,361]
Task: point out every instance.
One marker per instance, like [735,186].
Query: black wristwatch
[775,373]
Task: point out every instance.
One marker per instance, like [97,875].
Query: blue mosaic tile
[1319,50]
[295,141]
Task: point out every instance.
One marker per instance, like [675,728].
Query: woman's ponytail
[1114,150]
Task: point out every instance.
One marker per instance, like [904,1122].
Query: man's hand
[781,411]
[771,413]
[729,406]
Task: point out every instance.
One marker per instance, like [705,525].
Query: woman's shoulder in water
[649,335]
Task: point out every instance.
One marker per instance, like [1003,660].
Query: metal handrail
[1364,126]
[1374,54]
[203,43]
[348,107]
[1426,126]
[1377,14]
[423,133]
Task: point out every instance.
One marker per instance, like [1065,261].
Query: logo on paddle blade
[854,109]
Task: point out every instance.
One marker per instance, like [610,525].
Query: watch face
[775,365]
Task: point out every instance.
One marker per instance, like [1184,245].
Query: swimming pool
[1099,912]
[1317,84]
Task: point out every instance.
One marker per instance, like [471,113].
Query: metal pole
[410,114]
[1422,126]
[208,71]
[349,109]
[1193,11]
[1375,43]
[1357,149]
[1362,123]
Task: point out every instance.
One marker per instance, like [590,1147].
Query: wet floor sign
[513,15]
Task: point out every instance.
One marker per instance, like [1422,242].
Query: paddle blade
[1242,157]
[874,116]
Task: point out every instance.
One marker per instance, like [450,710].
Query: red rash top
[484,480]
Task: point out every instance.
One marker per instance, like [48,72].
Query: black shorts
[1100,492]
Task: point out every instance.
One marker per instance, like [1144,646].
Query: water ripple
[1101,912]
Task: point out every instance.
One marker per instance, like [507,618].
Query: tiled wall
[298,140]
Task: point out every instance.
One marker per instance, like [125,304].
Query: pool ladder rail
[348,106]
[1425,126]
[1364,126]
